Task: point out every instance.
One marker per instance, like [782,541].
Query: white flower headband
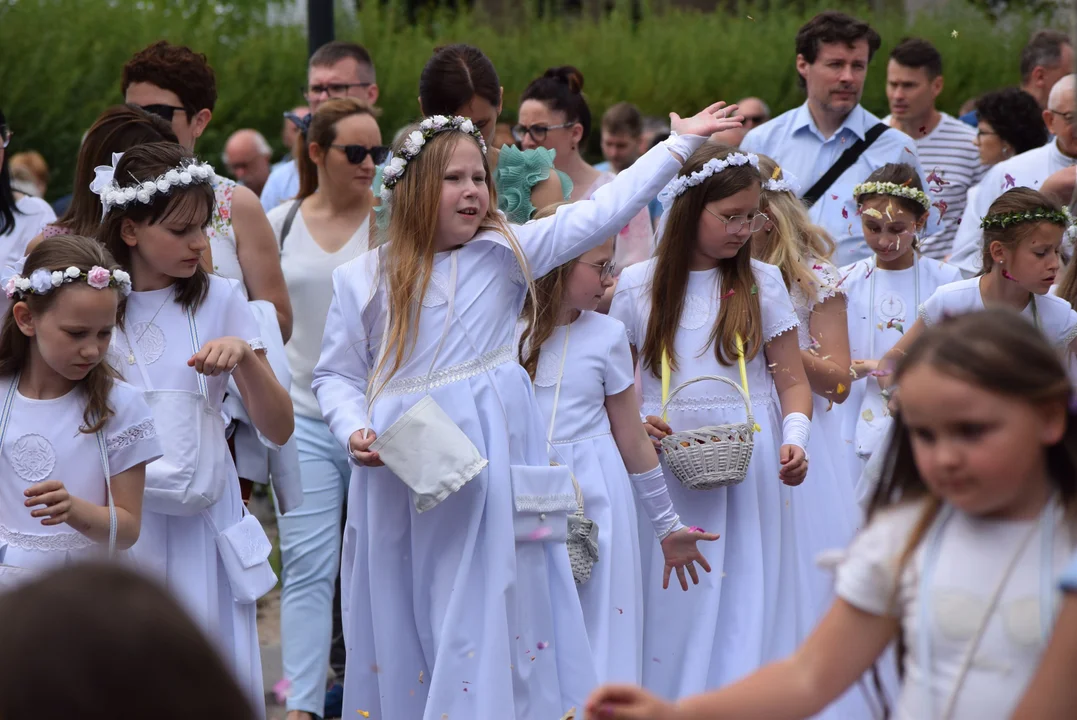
[889,188]
[414,143]
[679,185]
[782,181]
[113,195]
[43,281]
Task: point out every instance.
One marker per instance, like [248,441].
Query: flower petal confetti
[868,415]
[954,34]
[282,689]
[1009,182]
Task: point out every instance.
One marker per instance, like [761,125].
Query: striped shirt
[951,163]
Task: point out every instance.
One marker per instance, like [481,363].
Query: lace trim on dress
[783,325]
[145,430]
[451,374]
[580,439]
[921,312]
[1068,338]
[545,503]
[652,404]
[44,543]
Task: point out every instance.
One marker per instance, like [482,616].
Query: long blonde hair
[795,240]
[407,260]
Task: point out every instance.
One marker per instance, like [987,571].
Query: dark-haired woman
[461,80]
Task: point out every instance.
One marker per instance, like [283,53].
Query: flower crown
[43,281]
[782,181]
[1041,214]
[679,185]
[889,188]
[414,143]
[112,195]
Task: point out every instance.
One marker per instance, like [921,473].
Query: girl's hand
[359,446]
[794,464]
[54,496]
[220,356]
[863,368]
[627,702]
[680,551]
[716,118]
[657,429]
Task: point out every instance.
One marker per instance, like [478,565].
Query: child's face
[73,334]
[726,225]
[1034,263]
[587,282]
[465,197]
[889,228]
[171,248]
[979,451]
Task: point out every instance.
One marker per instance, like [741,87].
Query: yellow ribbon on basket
[740,365]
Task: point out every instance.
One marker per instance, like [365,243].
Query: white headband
[113,195]
[679,185]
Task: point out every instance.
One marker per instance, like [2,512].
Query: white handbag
[244,550]
[873,422]
[424,447]
[193,472]
[12,576]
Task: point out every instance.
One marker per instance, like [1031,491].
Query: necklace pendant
[130,357]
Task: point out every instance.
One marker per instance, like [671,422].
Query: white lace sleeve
[257,344]
[779,315]
[829,279]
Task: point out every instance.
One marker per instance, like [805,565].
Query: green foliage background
[60,60]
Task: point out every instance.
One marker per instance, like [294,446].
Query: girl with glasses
[581,366]
[693,310]
[327,225]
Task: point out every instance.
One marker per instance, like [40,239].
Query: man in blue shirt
[337,69]
[833,52]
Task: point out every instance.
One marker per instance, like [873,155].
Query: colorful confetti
[729,294]
[542,645]
[282,689]
[840,388]
[954,34]
[942,206]
[873,213]
[936,178]
[363,713]
[539,534]
[845,213]
[868,415]
[1009,182]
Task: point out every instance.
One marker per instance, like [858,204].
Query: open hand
[681,553]
[656,428]
[794,464]
[220,356]
[717,118]
[359,446]
[627,702]
[54,497]
[863,368]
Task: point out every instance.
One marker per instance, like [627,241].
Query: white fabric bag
[244,550]
[12,576]
[873,422]
[424,447]
[193,472]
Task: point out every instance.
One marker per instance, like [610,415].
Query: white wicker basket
[582,540]
[714,456]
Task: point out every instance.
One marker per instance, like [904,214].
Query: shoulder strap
[288,220]
[843,163]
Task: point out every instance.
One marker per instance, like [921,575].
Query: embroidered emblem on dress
[696,312]
[33,458]
[1021,618]
[437,292]
[958,613]
[548,365]
[151,341]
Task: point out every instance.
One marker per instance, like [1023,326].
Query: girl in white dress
[64,420]
[965,539]
[1023,234]
[182,334]
[583,374]
[884,292]
[691,302]
[459,592]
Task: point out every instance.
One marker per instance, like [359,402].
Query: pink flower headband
[43,281]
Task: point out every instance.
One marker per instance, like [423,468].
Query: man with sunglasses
[337,69]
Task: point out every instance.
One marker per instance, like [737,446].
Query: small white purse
[424,447]
[873,422]
[244,550]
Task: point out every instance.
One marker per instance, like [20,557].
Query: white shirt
[1029,169]
[951,160]
[31,216]
[794,141]
[308,273]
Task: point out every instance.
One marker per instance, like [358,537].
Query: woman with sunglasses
[328,224]
[21,216]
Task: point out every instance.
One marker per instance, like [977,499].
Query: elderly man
[831,143]
[247,156]
[1029,169]
[336,69]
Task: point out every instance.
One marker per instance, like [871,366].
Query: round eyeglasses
[606,270]
[736,223]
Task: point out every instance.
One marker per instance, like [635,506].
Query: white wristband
[653,496]
[684,145]
[796,430]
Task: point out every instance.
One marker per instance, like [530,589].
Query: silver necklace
[131,346]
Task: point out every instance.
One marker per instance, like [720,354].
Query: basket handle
[719,378]
[579,491]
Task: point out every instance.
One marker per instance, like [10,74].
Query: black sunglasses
[357,153]
[165,112]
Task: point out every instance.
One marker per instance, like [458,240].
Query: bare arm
[268,403]
[1052,694]
[890,360]
[50,500]
[259,256]
[628,432]
[548,192]
[784,359]
[827,366]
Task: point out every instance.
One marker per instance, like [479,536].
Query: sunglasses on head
[357,153]
[165,112]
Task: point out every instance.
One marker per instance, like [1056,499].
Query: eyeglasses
[356,154]
[537,132]
[736,223]
[165,112]
[1067,118]
[5,135]
[606,270]
[984,133]
[333,90]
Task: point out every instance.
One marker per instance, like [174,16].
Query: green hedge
[61,60]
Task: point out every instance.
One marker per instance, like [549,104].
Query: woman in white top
[328,224]
[966,538]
